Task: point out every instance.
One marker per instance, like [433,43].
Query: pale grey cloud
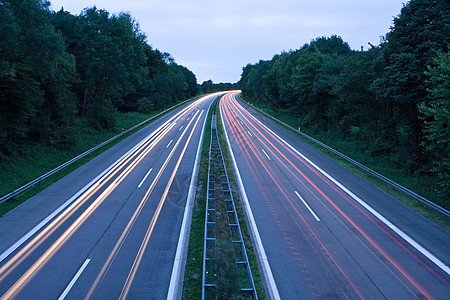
[215,39]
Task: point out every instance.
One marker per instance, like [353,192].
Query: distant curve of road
[111,228]
[325,232]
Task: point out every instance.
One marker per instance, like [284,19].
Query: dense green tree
[36,74]
[56,67]
[329,110]
[418,34]
[191,81]
[155,61]
[356,110]
[308,107]
[437,122]
[110,57]
[286,82]
[391,100]
[66,24]
[252,81]
[209,86]
[206,86]
[277,81]
[331,45]
[18,90]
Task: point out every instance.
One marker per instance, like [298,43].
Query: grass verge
[348,148]
[37,159]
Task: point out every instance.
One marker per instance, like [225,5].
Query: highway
[117,227]
[112,228]
[320,230]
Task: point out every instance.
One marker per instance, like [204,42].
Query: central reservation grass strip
[192,287]
[252,257]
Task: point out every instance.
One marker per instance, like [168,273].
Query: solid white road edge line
[266,154]
[175,285]
[44,222]
[64,205]
[74,279]
[145,177]
[267,271]
[394,228]
[307,206]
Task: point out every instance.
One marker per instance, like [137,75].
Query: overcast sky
[215,39]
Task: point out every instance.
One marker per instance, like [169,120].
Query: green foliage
[302,82]
[331,45]
[144,105]
[437,113]
[210,87]
[370,97]
[110,57]
[418,34]
[35,73]
[356,105]
[277,81]
[252,80]
[101,114]
[56,68]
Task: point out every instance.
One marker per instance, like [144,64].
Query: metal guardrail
[66,164]
[209,259]
[359,165]
[218,189]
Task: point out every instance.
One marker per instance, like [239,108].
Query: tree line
[208,86]
[58,70]
[392,100]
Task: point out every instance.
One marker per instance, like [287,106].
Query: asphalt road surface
[111,228]
[323,232]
